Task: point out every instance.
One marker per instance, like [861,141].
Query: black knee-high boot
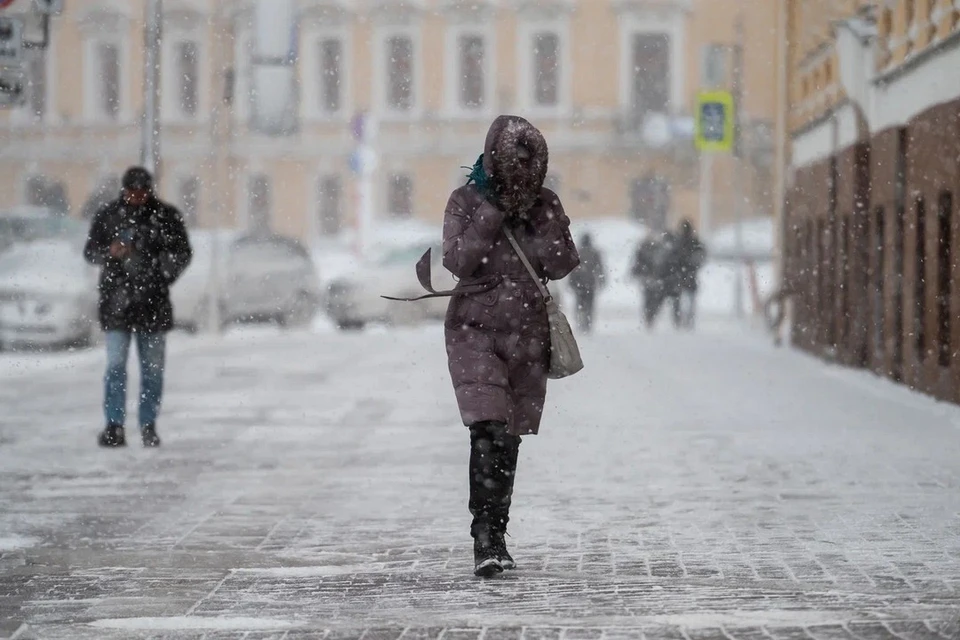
[493,464]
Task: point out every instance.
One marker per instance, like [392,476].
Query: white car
[260,278]
[48,296]
[354,301]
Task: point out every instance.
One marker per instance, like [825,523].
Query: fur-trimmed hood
[515,158]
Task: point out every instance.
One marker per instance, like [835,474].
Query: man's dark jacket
[135,291]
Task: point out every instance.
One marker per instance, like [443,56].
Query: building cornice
[467,11]
[395,12]
[326,13]
[652,6]
[107,16]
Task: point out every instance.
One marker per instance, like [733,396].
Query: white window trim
[526,32]
[310,73]
[91,107]
[381,75]
[452,106]
[22,116]
[673,26]
[171,110]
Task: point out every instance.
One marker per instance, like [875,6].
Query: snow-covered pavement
[313,485]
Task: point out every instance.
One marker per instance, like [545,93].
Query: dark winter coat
[498,341]
[590,275]
[135,291]
[690,256]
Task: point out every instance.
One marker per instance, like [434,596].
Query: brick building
[871,218]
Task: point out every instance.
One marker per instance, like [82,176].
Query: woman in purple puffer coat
[497,334]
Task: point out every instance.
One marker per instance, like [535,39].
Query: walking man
[586,280]
[141,245]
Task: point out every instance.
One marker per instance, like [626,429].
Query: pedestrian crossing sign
[714,122]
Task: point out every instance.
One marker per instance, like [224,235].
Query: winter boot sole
[509,565]
[488,568]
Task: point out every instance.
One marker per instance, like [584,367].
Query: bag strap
[526,263]
[423,275]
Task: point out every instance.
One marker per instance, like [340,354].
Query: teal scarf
[479,177]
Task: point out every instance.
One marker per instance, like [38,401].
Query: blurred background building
[612,83]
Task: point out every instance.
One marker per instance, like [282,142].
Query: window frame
[92,98]
[310,106]
[381,75]
[453,77]
[318,226]
[527,31]
[23,115]
[245,186]
[671,25]
[391,179]
[173,110]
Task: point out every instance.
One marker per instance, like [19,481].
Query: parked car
[270,278]
[48,295]
[355,300]
[31,224]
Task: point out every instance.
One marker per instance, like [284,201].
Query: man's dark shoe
[112,436]
[149,435]
[485,559]
[499,545]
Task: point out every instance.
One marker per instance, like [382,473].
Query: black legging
[493,467]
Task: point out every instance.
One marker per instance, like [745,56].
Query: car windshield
[406,255]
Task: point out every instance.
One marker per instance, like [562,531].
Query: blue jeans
[151,348]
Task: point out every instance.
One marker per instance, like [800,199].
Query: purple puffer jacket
[498,342]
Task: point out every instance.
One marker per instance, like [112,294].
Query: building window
[330,69]
[879,304]
[944,279]
[37,86]
[400,195]
[330,200]
[259,203]
[472,72]
[108,73]
[546,69]
[189,199]
[650,201]
[188,77]
[650,72]
[920,303]
[400,73]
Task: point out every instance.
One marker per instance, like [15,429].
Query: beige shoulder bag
[565,357]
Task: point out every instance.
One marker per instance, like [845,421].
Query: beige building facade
[612,83]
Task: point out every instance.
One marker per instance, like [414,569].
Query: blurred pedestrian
[653,267]
[497,333]
[141,245]
[586,281]
[689,259]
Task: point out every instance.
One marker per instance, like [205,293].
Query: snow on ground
[684,485]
